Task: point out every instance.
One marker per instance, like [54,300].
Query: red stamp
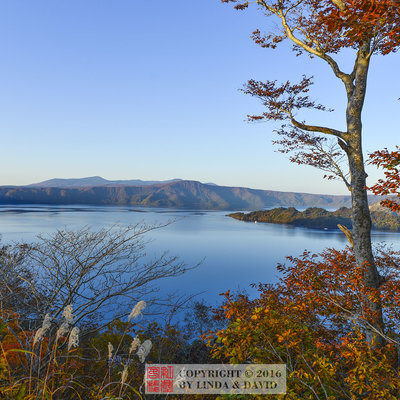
[159,379]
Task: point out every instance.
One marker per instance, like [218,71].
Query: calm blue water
[235,253]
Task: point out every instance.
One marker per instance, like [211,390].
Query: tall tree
[322,28]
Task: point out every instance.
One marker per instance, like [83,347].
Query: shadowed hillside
[177,194]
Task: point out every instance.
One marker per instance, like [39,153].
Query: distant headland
[319,218]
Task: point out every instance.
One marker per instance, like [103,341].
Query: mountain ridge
[184,194]
[94,181]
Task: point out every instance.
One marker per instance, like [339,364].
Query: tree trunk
[360,211]
[363,249]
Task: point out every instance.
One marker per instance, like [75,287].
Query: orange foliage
[14,339]
[334,24]
[313,320]
[390,161]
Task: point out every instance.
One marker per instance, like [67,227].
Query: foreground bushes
[313,320]
[65,363]
[55,295]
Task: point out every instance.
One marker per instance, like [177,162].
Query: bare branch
[321,129]
[316,151]
[92,270]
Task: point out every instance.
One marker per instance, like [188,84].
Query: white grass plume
[137,310]
[73,338]
[110,350]
[46,325]
[124,375]
[144,350]
[62,330]
[134,345]
[67,314]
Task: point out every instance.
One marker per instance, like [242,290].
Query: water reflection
[236,253]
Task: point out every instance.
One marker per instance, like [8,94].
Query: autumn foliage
[323,29]
[335,24]
[390,162]
[314,321]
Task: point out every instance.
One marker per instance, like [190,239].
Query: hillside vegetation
[179,194]
[318,218]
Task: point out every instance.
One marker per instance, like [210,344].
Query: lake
[235,253]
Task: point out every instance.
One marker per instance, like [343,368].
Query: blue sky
[130,89]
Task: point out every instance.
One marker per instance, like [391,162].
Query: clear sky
[130,89]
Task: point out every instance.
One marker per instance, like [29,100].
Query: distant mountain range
[177,193]
[95,181]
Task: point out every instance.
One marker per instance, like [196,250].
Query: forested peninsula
[319,218]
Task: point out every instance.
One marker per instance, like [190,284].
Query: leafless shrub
[101,272]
